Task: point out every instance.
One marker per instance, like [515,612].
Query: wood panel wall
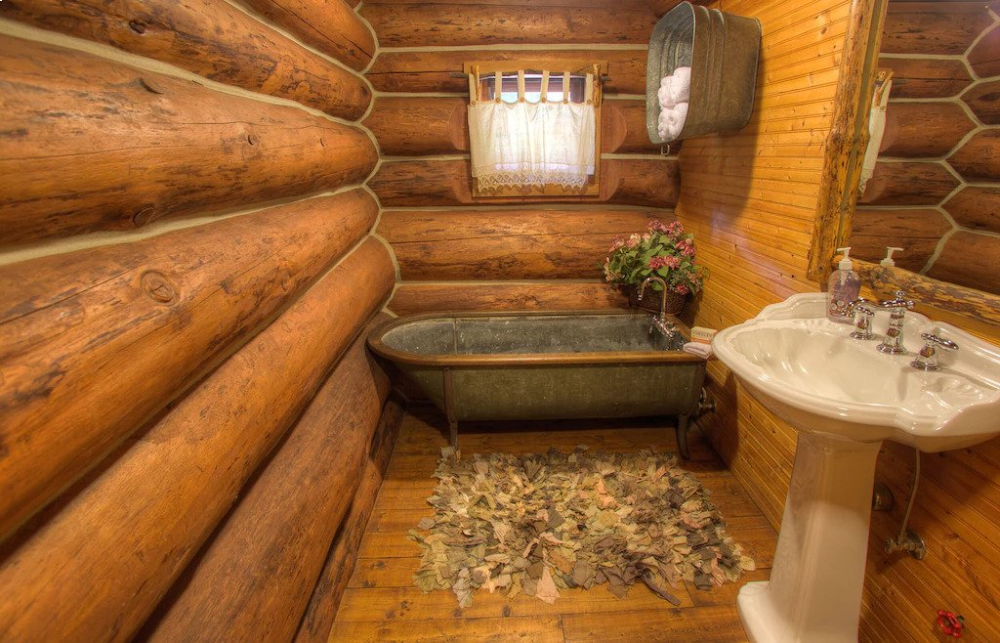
[188,273]
[936,185]
[750,198]
[458,251]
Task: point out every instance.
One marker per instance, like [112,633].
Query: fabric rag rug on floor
[539,523]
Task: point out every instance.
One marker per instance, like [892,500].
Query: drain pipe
[909,540]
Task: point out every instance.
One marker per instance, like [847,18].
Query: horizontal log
[413,299]
[979,158]
[280,531]
[971,260]
[977,208]
[908,183]
[431,71]
[95,568]
[623,124]
[414,126]
[933,27]
[444,126]
[926,78]
[449,25]
[506,244]
[916,230]
[95,341]
[962,304]
[984,101]
[328,25]
[212,39]
[923,130]
[653,183]
[593,4]
[317,622]
[101,146]
[985,56]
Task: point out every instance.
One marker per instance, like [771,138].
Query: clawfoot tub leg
[683,422]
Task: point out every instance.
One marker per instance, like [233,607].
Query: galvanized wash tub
[722,51]
[538,366]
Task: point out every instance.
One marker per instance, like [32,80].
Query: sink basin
[809,372]
[845,398]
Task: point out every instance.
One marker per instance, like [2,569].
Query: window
[538,135]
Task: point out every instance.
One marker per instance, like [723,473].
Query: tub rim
[526,359]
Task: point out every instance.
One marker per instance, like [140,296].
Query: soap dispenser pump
[888,262]
[843,288]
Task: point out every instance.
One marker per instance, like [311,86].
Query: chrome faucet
[927,357]
[864,312]
[893,342]
[661,323]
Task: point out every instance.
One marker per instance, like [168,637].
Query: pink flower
[675,229]
[664,262]
[646,237]
[633,240]
[681,289]
[656,226]
[616,243]
[685,247]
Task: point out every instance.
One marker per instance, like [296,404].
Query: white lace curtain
[527,144]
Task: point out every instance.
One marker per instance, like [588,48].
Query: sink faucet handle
[939,342]
[926,359]
[864,311]
[862,305]
[899,301]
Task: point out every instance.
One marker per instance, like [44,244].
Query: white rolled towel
[675,88]
[697,348]
[666,100]
[663,124]
[670,123]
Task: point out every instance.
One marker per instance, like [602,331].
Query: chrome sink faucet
[864,312]
[661,323]
[893,342]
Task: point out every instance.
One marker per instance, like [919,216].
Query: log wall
[459,251]
[938,156]
[187,276]
[750,200]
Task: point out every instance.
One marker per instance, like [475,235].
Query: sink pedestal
[814,594]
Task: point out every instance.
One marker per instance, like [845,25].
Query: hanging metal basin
[722,50]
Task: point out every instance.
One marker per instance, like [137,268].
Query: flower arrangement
[665,251]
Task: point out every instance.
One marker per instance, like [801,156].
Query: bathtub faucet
[661,323]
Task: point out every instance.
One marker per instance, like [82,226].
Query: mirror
[935,190]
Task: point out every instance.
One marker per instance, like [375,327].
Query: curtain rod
[457,74]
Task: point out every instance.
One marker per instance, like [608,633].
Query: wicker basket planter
[653,300]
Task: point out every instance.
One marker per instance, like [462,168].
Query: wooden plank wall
[750,198]
[187,274]
[936,188]
[456,251]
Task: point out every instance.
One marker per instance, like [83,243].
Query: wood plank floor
[383,604]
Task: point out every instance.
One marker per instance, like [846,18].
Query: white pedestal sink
[845,398]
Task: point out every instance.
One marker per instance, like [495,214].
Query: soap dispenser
[843,288]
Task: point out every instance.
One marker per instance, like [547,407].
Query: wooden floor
[383,604]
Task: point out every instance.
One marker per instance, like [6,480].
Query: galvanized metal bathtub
[536,366]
